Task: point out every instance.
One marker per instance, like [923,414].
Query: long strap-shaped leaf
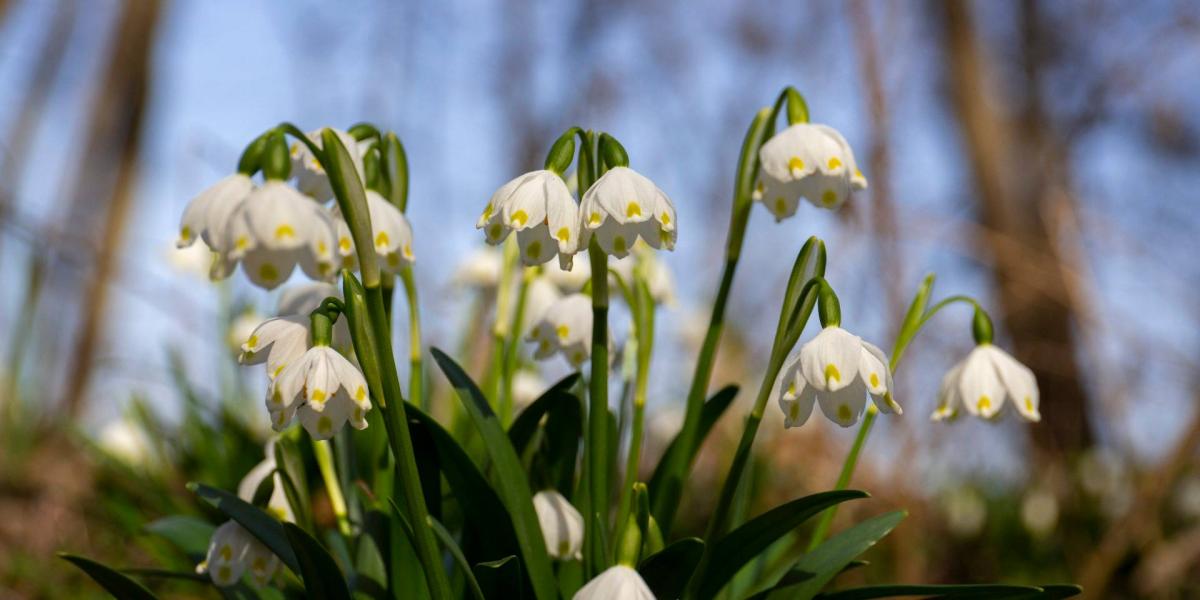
[952,591]
[110,579]
[511,481]
[828,559]
[667,571]
[709,414]
[261,525]
[740,546]
[322,577]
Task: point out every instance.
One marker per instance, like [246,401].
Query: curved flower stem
[512,347]
[493,383]
[597,438]
[907,333]
[337,501]
[643,309]
[416,376]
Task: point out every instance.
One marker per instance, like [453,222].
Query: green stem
[512,347]
[416,376]
[644,330]
[597,438]
[332,485]
[493,383]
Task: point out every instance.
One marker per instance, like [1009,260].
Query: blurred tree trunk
[104,184]
[1019,169]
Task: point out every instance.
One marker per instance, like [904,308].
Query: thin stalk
[492,385]
[332,485]
[597,438]
[416,376]
[512,348]
[644,329]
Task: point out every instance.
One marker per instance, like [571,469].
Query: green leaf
[455,552]
[511,479]
[938,591]
[668,571]
[189,534]
[740,546]
[501,578]
[709,414]
[261,525]
[1060,591]
[828,559]
[372,572]
[113,582]
[526,423]
[555,462]
[322,577]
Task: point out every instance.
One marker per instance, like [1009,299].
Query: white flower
[277,342]
[207,215]
[813,161]
[623,206]
[123,440]
[540,208]
[324,388]
[527,386]
[568,280]
[194,260]
[838,370]
[310,175]
[480,269]
[540,295]
[562,525]
[272,231]
[232,549]
[982,382]
[616,583]
[393,234]
[241,328]
[1039,511]
[566,327]
[303,298]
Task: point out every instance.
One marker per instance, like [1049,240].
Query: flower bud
[797,108]
[612,152]
[276,161]
[561,153]
[981,327]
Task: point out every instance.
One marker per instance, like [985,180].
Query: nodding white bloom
[540,295]
[562,525]
[232,549]
[194,260]
[310,175]
[277,342]
[982,382]
[272,231]
[540,208]
[616,583]
[324,388]
[303,298]
[527,386]
[393,234]
[207,215]
[480,269]
[565,327]
[568,280]
[838,370]
[813,161]
[623,206]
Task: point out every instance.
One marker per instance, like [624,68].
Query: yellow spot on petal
[564,234]
[224,573]
[360,394]
[780,205]
[795,164]
[564,546]
[519,218]
[563,331]
[344,243]
[226,553]
[185,233]
[858,174]
[633,209]
[487,212]
[324,425]
[1028,404]
[874,380]
[831,373]
[533,250]
[792,388]
[252,341]
[284,231]
[834,162]
[619,245]
[594,219]
[577,358]
[392,259]
[665,219]
[494,231]
[544,346]
[242,242]
[381,239]
[984,403]
[268,272]
[829,197]
[408,251]
[259,564]
[277,398]
[278,370]
[759,187]
[322,249]
[318,396]
[324,268]
[794,411]
[843,413]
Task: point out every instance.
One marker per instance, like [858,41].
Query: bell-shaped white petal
[796,397]
[540,208]
[325,390]
[231,551]
[1019,382]
[540,295]
[527,386]
[391,229]
[207,215]
[979,384]
[566,328]
[277,342]
[310,175]
[278,216]
[845,405]
[810,161]
[623,206]
[277,505]
[616,583]
[830,361]
[948,399]
[983,381]
[561,524]
[275,229]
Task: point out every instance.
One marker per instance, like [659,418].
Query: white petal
[1020,382]
[948,396]
[526,207]
[980,386]
[325,424]
[796,397]
[268,269]
[616,583]
[249,484]
[830,360]
[561,524]
[536,245]
[845,405]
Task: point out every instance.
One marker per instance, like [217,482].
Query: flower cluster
[810,161]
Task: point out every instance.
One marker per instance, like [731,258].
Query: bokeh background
[1042,156]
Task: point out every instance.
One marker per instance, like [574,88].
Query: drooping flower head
[393,234]
[810,161]
[324,389]
[207,215]
[561,525]
[623,206]
[540,208]
[619,582]
[838,370]
[566,328]
[983,381]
